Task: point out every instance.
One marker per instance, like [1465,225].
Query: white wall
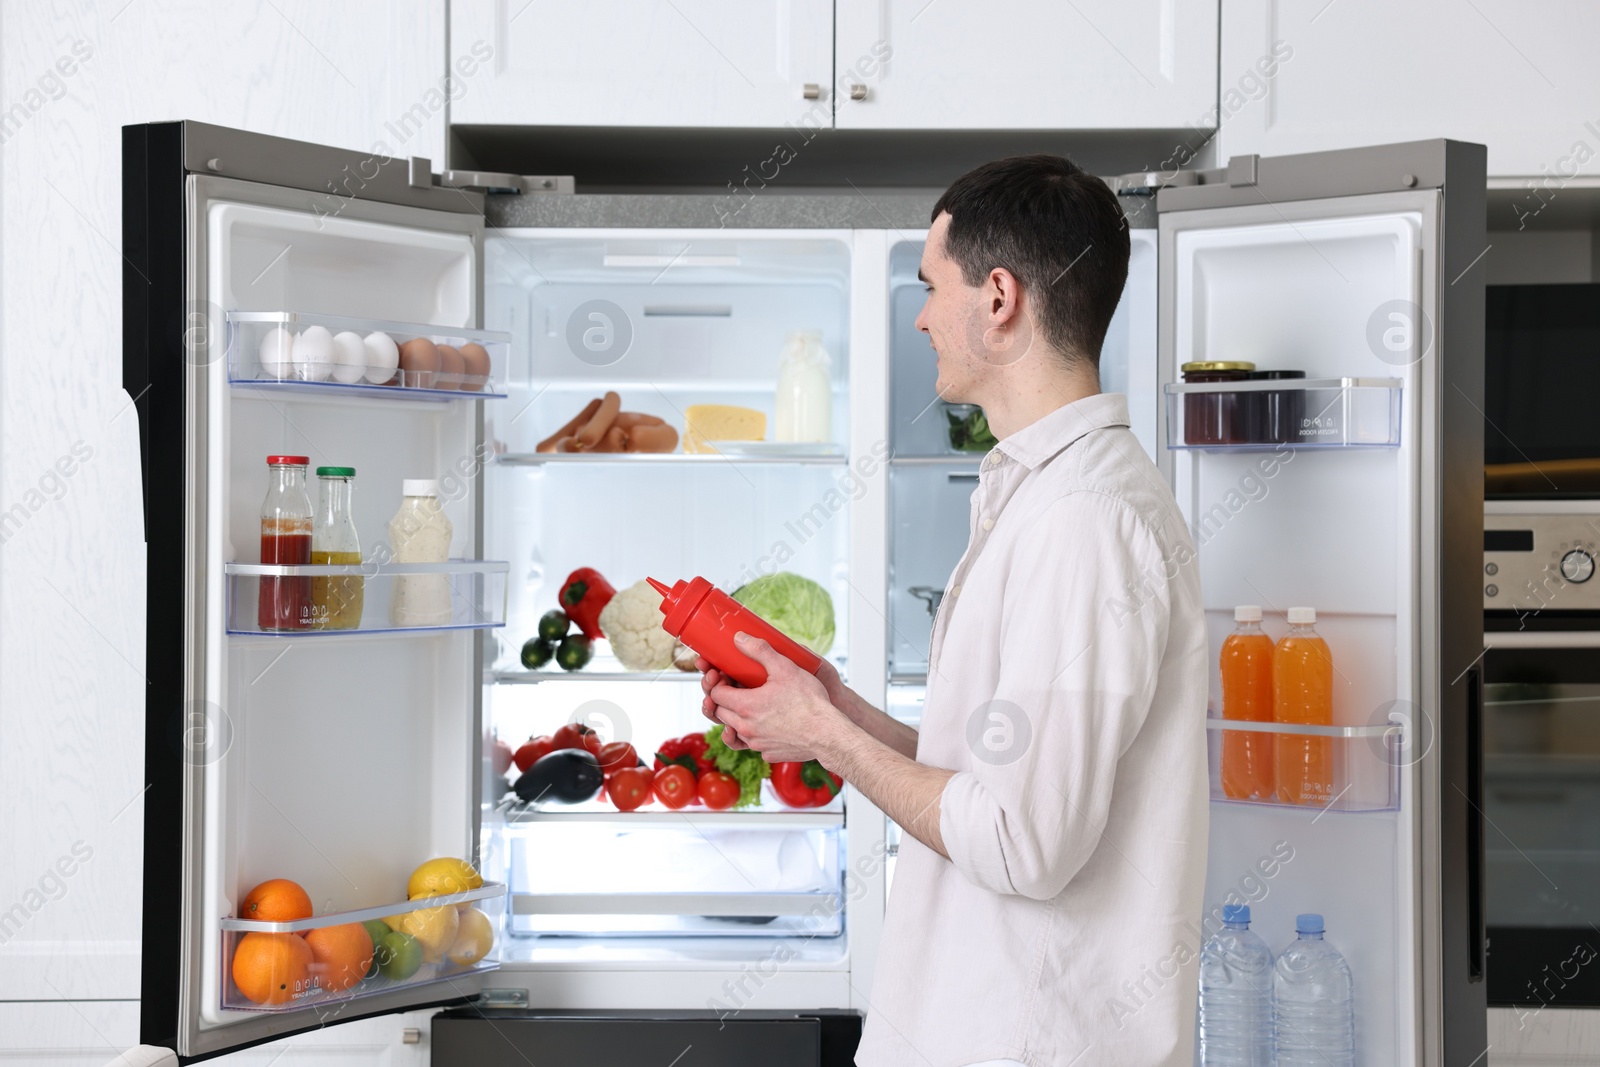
[72,566]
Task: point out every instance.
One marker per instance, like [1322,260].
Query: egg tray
[284,350]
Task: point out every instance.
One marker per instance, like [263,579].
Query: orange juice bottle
[1246,666]
[1302,691]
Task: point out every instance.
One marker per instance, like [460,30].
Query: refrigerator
[343,759]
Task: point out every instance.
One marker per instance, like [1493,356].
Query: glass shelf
[594,814]
[490,899]
[1270,415]
[265,351]
[1363,763]
[538,459]
[390,598]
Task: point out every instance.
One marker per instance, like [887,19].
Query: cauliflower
[632,623]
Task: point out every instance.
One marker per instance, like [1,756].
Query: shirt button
[988,524]
[955,591]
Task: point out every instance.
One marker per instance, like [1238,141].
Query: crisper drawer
[492,1038]
[674,874]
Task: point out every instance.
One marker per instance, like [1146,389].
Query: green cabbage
[800,608]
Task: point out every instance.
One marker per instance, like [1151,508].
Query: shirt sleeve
[1083,629]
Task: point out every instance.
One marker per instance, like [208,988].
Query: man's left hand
[785,719]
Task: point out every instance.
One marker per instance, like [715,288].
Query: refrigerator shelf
[1254,416]
[539,459]
[522,677]
[454,595]
[1364,762]
[249,333]
[489,898]
[698,818]
[709,905]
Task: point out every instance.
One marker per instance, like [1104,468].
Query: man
[1055,798]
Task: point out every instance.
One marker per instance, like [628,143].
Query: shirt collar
[1042,439]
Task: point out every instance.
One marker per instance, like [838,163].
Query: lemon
[445,875]
[473,940]
[434,928]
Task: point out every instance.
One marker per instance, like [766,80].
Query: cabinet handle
[858,92]
[1475,925]
[811,91]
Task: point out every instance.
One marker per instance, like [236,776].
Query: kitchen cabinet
[1364,72]
[691,63]
[1022,64]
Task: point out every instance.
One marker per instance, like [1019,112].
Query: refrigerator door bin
[396,598]
[1291,413]
[775,876]
[488,899]
[271,350]
[1364,761]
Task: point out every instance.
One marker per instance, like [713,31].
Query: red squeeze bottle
[705,618]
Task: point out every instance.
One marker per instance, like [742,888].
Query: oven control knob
[1577,566]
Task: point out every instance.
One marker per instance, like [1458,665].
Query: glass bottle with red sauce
[286,603]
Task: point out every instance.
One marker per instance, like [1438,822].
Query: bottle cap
[1302,616]
[1236,913]
[336,472]
[419,487]
[1204,365]
[288,461]
[1308,924]
[1247,613]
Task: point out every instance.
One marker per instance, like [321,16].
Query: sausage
[549,443]
[629,420]
[661,438]
[600,421]
[615,440]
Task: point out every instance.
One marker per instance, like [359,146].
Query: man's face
[952,310]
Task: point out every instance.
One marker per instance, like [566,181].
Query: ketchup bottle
[705,618]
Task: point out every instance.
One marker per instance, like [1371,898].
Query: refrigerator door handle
[1475,872]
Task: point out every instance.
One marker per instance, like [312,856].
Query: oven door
[1541,790]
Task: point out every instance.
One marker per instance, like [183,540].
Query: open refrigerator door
[1347,485]
[312,715]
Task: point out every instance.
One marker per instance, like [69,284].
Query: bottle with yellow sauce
[336,600]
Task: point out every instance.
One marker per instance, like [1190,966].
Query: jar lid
[336,472]
[1276,375]
[419,487]
[288,461]
[1214,364]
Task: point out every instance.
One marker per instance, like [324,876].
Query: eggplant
[565,776]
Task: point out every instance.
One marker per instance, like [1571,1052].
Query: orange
[341,955]
[272,968]
[276,900]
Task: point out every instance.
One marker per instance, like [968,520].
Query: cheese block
[705,423]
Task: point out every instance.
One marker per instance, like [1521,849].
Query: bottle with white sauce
[803,407]
[420,532]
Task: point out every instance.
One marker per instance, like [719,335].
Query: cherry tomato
[718,790]
[531,750]
[629,787]
[674,786]
[617,756]
[576,735]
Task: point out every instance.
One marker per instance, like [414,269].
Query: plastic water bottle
[1236,995]
[1313,1017]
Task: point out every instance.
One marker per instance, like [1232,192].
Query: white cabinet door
[1355,72]
[1026,64]
[697,63]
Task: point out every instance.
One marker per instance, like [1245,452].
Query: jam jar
[1215,418]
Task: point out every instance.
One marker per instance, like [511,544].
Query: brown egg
[419,362]
[476,358]
[450,364]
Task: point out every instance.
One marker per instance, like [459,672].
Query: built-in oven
[1541,667]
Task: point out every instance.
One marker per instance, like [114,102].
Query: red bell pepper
[805,785]
[583,596]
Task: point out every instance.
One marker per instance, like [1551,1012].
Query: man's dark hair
[1054,226]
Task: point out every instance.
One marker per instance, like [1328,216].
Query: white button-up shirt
[1067,690]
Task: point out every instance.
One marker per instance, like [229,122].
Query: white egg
[383,357]
[313,354]
[275,353]
[349,357]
